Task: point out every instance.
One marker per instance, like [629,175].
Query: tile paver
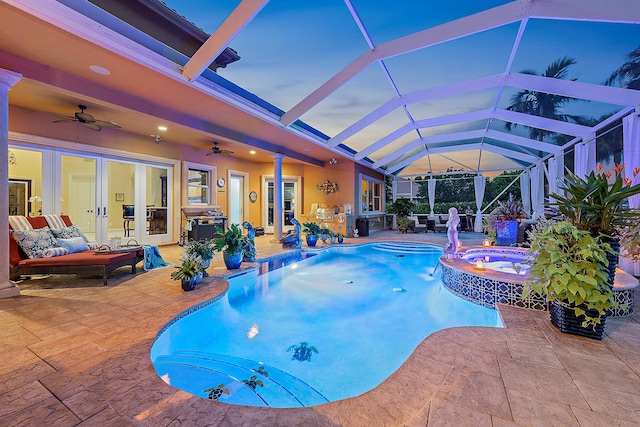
[77,353]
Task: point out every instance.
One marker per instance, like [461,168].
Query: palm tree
[544,104]
[628,74]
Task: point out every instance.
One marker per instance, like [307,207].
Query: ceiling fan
[217,150]
[88,120]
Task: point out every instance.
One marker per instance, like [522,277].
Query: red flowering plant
[594,205]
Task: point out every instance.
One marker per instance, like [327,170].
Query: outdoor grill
[203,221]
[325,216]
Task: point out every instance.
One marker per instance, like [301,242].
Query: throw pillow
[74,244]
[68,233]
[32,241]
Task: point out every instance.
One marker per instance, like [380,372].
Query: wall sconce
[333,161]
[327,187]
[486,242]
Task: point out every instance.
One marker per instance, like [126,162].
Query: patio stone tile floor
[76,353]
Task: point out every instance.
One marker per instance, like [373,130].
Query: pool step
[207,371]
[408,248]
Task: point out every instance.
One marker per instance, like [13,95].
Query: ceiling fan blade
[70,119]
[92,126]
[106,124]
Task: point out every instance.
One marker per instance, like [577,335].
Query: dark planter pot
[565,319]
[232,261]
[340,239]
[506,233]
[189,285]
[612,258]
[312,239]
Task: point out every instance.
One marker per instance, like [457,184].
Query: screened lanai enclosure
[416,88]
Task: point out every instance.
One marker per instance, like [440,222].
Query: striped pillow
[19,222]
[54,221]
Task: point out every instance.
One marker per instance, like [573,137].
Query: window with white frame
[199,183]
[371,195]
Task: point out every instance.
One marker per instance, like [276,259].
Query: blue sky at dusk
[294,46]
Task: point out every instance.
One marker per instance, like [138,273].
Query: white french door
[290,201]
[238,205]
[108,197]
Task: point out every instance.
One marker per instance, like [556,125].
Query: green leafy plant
[402,207]
[188,269]
[403,222]
[204,248]
[311,228]
[509,210]
[569,265]
[594,205]
[231,241]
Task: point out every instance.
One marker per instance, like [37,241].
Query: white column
[7,80]
[277,196]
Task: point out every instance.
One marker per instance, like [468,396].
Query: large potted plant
[402,208]
[597,206]
[505,220]
[311,230]
[568,267]
[231,245]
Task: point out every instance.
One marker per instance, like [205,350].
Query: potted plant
[403,223]
[332,236]
[188,271]
[594,205]
[202,248]
[311,230]
[325,233]
[402,208]
[568,267]
[231,245]
[340,237]
[505,220]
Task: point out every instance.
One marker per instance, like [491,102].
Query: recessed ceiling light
[306,149]
[252,152]
[162,128]
[99,70]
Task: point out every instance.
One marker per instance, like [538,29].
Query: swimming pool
[322,329]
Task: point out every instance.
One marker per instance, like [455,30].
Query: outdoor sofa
[84,262]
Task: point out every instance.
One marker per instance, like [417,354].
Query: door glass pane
[25,182]
[78,192]
[156,200]
[289,198]
[120,199]
[236,199]
[270,197]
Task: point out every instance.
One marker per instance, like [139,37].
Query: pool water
[317,330]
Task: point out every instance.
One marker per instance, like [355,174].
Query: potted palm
[568,267]
[505,220]
[594,205]
[188,271]
[403,224]
[231,245]
[311,230]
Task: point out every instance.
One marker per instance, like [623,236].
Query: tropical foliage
[569,265]
[231,241]
[628,74]
[594,205]
[544,104]
[311,228]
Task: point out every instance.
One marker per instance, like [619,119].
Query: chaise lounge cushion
[79,259]
[68,233]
